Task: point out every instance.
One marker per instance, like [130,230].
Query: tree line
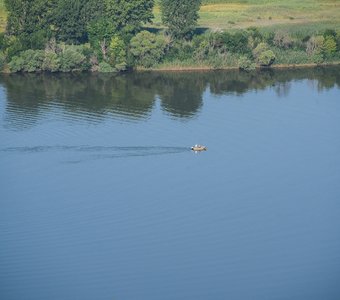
[112,36]
[82,34]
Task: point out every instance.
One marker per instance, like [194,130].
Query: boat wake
[99,152]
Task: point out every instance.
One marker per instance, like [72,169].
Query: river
[102,198]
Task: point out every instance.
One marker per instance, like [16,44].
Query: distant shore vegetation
[119,35]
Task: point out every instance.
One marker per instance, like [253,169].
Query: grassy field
[293,15]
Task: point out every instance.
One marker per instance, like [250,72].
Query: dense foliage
[29,22]
[180,16]
[71,18]
[65,59]
[148,48]
[127,15]
[111,36]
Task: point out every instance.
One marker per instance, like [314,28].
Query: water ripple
[100,152]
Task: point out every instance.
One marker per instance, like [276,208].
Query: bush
[117,53]
[259,49]
[266,58]
[263,55]
[54,58]
[329,45]
[147,48]
[13,46]
[237,42]
[337,38]
[28,61]
[329,32]
[105,67]
[203,50]
[282,39]
[218,60]
[315,45]
[2,60]
[223,42]
[317,58]
[71,59]
[291,56]
[16,64]
[33,60]
[2,41]
[254,37]
[244,63]
[268,37]
[180,50]
[217,46]
[51,62]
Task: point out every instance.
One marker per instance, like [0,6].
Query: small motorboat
[198,148]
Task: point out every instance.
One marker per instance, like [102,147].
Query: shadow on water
[98,152]
[132,96]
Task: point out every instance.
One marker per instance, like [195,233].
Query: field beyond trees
[291,15]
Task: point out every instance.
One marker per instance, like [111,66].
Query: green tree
[12,46]
[72,59]
[126,15]
[29,21]
[100,33]
[72,17]
[263,55]
[117,53]
[266,58]
[28,61]
[148,48]
[245,63]
[329,45]
[180,16]
[260,48]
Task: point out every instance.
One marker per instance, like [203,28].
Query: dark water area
[102,198]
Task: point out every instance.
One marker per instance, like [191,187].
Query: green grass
[293,15]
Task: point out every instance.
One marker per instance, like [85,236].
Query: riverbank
[205,68]
[210,68]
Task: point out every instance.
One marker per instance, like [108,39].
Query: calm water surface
[101,198]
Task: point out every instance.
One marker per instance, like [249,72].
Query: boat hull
[199,148]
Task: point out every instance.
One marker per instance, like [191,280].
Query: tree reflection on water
[133,95]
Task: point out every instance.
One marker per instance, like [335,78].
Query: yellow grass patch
[270,13]
[3,16]
[223,7]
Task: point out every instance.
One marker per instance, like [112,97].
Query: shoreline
[190,69]
[207,68]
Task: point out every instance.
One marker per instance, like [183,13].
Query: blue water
[101,197]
